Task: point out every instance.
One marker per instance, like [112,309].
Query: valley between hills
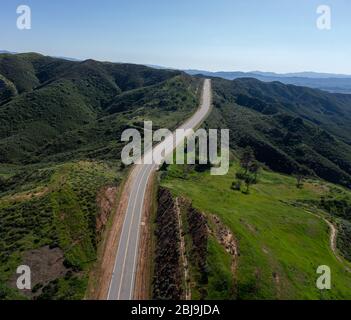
[225,237]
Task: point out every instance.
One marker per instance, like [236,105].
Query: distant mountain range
[306,74]
[64,58]
[236,74]
[337,83]
[8,52]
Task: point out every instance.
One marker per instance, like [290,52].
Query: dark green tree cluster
[249,171]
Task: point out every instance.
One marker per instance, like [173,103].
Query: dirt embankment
[182,236]
[46,265]
[106,200]
[168,273]
[171,269]
[182,233]
[226,238]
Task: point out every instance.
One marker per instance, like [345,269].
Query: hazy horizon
[215,36]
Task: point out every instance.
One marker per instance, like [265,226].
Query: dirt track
[333,239]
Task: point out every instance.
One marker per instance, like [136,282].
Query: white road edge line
[138,233]
[129,231]
[190,123]
[119,245]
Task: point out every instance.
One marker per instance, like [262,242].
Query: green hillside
[280,224]
[61,103]
[280,232]
[54,207]
[60,172]
[60,175]
[291,129]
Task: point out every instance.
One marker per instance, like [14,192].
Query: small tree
[254,169]
[236,185]
[250,169]
[246,159]
[164,166]
[299,181]
[249,180]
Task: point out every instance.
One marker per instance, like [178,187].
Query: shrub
[236,185]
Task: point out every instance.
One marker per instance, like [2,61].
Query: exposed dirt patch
[106,200]
[316,187]
[226,238]
[45,264]
[27,195]
[276,278]
[182,236]
[251,228]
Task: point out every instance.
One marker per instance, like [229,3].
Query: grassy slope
[275,238]
[61,124]
[57,207]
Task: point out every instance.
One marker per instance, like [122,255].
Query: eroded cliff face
[181,254]
[170,274]
[168,277]
[106,201]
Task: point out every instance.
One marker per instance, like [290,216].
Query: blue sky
[267,35]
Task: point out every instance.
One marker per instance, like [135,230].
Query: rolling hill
[266,243]
[60,175]
[292,129]
[60,170]
[48,104]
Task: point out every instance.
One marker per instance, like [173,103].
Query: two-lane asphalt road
[123,276]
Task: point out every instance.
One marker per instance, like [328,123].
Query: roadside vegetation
[57,208]
[280,242]
[60,143]
[292,130]
[257,233]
